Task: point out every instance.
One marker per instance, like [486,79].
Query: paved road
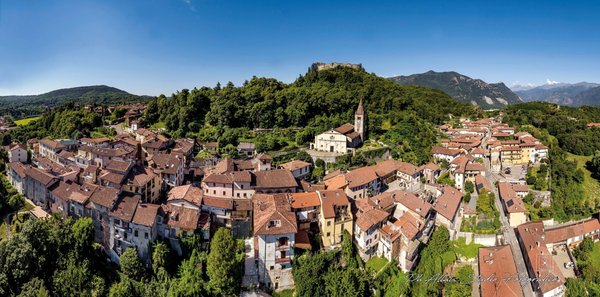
[509,233]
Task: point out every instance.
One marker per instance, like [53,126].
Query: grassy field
[284,293]
[591,186]
[466,250]
[376,263]
[23,122]
[595,255]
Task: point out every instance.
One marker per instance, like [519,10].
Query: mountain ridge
[463,88]
[563,93]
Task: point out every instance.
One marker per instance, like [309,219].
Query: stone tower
[360,123]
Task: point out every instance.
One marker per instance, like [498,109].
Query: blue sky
[160,46]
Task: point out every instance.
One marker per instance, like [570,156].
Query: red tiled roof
[273,215]
[412,202]
[447,204]
[331,198]
[125,208]
[496,265]
[181,217]
[361,176]
[302,200]
[188,193]
[295,165]
[273,179]
[512,202]
[145,214]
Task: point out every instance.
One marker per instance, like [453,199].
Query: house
[144,182]
[361,182]
[186,196]
[335,217]
[16,153]
[443,153]
[512,204]
[120,218]
[16,175]
[345,138]
[495,263]
[95,142]
[145,228]
[178,221]
[169,167]
[399,240]
[431,172]
[89,155]
[573,233]
[299,169]
[247,149]
[481,184]
[369,219]
[101,202]
[538,260]
[307,208]
[408,202]
[49,148]
[274,232]
[36,186]
[275,181]
[446,207]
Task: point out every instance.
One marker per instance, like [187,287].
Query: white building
[274,228]
[345,138]
[16,153]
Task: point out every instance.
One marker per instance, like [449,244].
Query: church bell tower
[360,123]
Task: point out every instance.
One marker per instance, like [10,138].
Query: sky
[152,47]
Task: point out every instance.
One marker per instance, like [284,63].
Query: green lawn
[158,125]
[595,255]
[284,293]
[591,186]
[466,250]
[375,264]
[23,122]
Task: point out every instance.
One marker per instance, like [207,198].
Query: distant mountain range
[578,94]
[24,105]
[463,88]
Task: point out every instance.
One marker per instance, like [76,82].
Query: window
[146,235]
[135,233]
[223,193]
[328,223]
[214,192]
[125,235]
[242,186]
[328,234]
[272,267]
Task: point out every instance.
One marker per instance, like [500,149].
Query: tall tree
[223,268]
[131,265]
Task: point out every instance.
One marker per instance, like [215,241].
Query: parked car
[569,264]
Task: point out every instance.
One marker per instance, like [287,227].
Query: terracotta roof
[273,179]
[104,196]
[115,178]
[145,214]
[482,182]
[44,178]
[246,146]
[308,187]
[336,182]
[295,165]
[370,217]
[302,200]
[140,176]
[181,217]
[412,202]
[119,166]
[438,150]
[540,259]
[332,174]
[188,193]
[447,204]
[55,145]
[361,176]
[389,232]
[540,147]
[217,178]
[331,198]
[273,215]
[345,128]
[168,163]
[478,151]
[563,233]
[384,200]
[475,167]
[520,188]
[95,140]
[496,264]
[19,168]
[431,166]
[109,152]
[263,156]
[512,202]
[125,208]
[223,203]
[408,225]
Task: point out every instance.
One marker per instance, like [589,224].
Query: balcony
[283,260]
[282,247]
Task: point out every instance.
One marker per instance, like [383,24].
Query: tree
[34,288]
[348,253]
[308,271]
[74,279]
[83,235]
[469,187]
[190,282]
[160,256]
[131,265]
[124,288]
[346,282]
[223,268]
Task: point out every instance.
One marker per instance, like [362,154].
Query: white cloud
[190,4]
[551,82]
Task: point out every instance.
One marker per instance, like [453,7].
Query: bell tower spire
[360,121]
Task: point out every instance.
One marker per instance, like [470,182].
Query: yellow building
[513,155]
[335,217]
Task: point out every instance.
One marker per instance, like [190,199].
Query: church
[345,138]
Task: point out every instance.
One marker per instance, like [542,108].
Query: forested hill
[326,95]
[463,88]
[36,104]
[316,101]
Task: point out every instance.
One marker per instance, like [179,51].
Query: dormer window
[274,223]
